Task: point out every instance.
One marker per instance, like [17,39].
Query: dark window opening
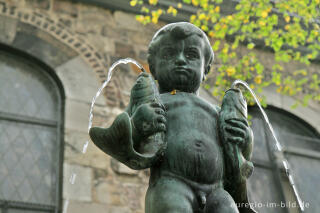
[301,147]
[30,136]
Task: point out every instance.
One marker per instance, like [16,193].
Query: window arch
[31,122]
[301,147]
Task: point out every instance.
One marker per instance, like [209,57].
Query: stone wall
[102,184]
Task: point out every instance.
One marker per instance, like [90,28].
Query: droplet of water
[85,146]
[72,179]
[65,206]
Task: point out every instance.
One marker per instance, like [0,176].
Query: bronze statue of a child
[188,173]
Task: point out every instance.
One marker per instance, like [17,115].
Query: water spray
[72,178]
[285,163]
[105,83]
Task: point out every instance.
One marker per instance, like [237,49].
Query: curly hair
[179,30]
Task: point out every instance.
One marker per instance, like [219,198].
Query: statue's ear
[206,71]
[204,77]
[153,73]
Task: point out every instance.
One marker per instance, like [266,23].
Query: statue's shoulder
[212,107]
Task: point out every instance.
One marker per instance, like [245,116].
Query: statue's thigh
[170,195]
[220,201]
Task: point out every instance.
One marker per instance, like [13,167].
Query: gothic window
[301,145]
[30,138]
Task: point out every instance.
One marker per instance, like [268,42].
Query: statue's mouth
[181,70]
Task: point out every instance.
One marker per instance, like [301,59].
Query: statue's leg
[170,195]
[220,201]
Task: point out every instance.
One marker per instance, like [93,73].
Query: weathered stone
[74,145]
[81,189]
[125,77]
[308,114]
[109,192]
[74,140]
[8,27]
[97,160]
[131,192]
[126,21]
[65,7]
[103,195]
[100,174]
[274,98]
[118,209]
[65,21]
[19,3]
[141,38]
[77,115]
[121,168]
[42,45]
[76,73]
[114,94]
[101,43]
[115,33]
[143,55]
[104,116]
[42,4]
[82,207]
[124,50]
[90,19]
[205,95]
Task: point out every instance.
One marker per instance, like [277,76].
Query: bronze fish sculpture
[238,167]
[117,140]
[146,91]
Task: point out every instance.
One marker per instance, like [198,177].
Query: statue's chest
[188,112]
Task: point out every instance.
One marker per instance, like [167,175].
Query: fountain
[179,155]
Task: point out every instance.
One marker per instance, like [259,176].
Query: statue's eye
[165,56]
[192,54]
[167,53]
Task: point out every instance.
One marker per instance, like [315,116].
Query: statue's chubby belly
[193,149]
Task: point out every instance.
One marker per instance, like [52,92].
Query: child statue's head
[179,57]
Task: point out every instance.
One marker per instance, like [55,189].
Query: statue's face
[180,63]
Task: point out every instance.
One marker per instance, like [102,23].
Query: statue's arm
[248,144]
[237,132]
[238,145]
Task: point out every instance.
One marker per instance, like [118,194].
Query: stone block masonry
[100,185]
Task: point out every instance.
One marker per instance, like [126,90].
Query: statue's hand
[148,118]
[237,131]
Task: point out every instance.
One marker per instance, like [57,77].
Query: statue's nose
[180,59]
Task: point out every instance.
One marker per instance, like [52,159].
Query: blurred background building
[54,56]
